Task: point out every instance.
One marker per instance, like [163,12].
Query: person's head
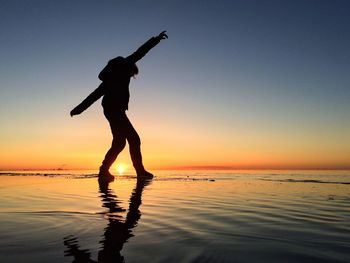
[134,70]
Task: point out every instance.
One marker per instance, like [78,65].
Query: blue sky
[230,71]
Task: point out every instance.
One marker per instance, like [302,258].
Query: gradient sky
[244,84]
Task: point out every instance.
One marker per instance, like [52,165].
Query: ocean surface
[179,216]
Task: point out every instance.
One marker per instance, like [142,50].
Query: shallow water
[195,216]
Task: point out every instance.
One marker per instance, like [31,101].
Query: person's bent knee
[119,143]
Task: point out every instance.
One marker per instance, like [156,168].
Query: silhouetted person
[117,232]
[115,91]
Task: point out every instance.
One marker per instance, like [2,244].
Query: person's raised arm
[94,96]
[142,51]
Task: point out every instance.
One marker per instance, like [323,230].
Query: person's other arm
[143,50]
[94,96]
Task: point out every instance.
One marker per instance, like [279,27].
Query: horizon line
[200,167]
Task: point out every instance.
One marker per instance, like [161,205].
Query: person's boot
[105,175]
[144,174]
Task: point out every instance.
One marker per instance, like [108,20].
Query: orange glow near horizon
[123,164]
[81,143]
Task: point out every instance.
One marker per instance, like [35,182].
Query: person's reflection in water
[117,232]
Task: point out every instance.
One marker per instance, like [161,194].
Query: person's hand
[74,112]
[162,35]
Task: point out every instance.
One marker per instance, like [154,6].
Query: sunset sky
[238,84]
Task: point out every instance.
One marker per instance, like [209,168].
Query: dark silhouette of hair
[134,70]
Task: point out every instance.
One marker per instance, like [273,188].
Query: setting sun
[120,168]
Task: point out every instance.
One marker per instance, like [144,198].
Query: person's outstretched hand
[162,35]
[74,112]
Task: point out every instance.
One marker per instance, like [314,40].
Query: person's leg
[135,149]
[118,145]
[117,123]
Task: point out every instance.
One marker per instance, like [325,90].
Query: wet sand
[193,216]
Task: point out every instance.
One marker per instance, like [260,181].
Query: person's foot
[106,178]
[144,174]
[105,175]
